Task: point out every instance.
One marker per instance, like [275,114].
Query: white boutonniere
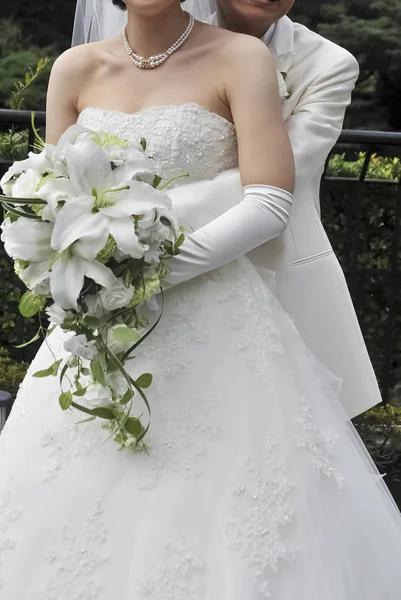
[282,86]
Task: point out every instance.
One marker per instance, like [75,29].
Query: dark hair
[121,4]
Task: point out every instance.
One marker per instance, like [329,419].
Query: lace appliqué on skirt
[260,336]
[179,578]
[314,438]
[8,516]
[262,511]
[184,437]
[170,346]
[77,562]
[73,440]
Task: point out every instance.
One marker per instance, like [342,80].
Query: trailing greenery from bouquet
[91,233]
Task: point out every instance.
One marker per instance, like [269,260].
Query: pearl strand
[154,61]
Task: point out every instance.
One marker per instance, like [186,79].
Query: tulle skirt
[255,486]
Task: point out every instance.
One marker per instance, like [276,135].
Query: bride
[255,484]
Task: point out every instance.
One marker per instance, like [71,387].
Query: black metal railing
[362,217]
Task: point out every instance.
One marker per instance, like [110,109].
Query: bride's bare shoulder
[85,60]
[234,48]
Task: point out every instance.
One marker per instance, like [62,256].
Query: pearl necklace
[154,61]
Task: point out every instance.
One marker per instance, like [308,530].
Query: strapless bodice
[184,138]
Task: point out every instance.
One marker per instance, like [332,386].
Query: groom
[320,77]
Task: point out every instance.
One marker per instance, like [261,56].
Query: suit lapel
[282,44]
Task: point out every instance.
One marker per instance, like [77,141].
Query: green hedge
[372,288]
[380,167]
[11,372]
[14,329]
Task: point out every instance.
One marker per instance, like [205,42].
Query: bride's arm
[265,153]
[66,79]
[266,167]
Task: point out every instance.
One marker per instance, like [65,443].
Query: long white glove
[262,215]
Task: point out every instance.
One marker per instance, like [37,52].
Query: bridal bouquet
[90,230]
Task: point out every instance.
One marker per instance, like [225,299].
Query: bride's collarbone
[131,99]
[116,84]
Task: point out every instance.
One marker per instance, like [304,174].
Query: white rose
[116,297]
[81,347]
[113,344]
[96,395]
[94,306]
[117,382]
[56,314]
[39,163]
[26,185]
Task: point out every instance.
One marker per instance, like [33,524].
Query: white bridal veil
[99,19]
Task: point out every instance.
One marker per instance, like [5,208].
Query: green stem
[163,187]
[88,411]
[20,213]
[27,201]
[147,334]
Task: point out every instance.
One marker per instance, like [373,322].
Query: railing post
[394,291]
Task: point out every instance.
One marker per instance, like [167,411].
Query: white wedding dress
[255,486]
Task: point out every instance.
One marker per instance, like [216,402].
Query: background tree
[371,32]
[17,55]
[369,29]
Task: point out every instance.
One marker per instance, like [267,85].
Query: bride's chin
[151,7]
[275,9]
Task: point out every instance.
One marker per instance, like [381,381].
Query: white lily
[102,200]
[30,240]
[68,274]
[55,192]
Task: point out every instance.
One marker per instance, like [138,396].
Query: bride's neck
[152,34]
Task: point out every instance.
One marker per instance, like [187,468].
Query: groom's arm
[317,120]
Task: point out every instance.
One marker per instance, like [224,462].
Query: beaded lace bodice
[184,138]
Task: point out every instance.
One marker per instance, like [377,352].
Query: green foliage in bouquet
[102,276]
[11,372]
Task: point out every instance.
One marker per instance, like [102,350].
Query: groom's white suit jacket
[310,283]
